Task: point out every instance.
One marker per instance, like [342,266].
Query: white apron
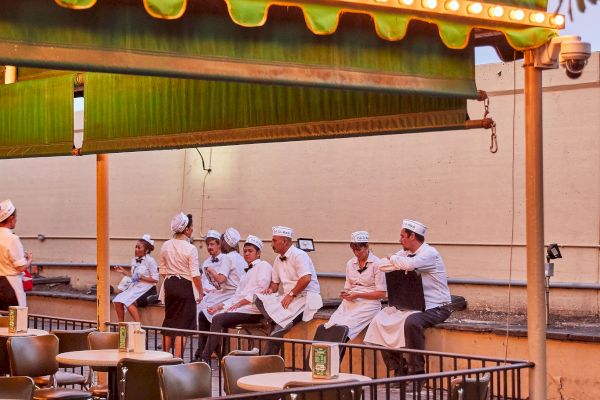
[356,315]
[211,299]
[17,284]
[307,302]
[387,328]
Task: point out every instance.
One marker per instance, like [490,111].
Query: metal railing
[442,369]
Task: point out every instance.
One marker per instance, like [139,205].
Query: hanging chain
[493,137]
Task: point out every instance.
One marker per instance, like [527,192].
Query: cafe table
[29,332]
[277,380]
[109,358]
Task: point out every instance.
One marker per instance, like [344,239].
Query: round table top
[30,332]
[277,380]
[108,358]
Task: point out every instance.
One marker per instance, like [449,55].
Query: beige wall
[326,189]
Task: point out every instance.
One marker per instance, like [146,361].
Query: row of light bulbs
[488,11]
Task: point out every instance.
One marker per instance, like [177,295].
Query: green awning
[36,117]
[128,113]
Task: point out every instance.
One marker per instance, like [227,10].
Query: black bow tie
[411,255]
[361,270]
[216,259]
[283,258]
[249,267]
[139,260]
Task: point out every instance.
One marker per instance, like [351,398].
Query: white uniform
[215,262]
[146,267]
[287,272]
[387,328]
[12,257]
[358,313]
[232,266]
[256,279]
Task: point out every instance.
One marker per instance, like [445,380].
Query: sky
[586,25]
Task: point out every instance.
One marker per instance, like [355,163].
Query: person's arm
[198,283]
[374,295]
[195,273]
[273,288]
[220,274]
[300,286]
[21,259]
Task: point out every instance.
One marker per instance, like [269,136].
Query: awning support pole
[534,194]
[102,231]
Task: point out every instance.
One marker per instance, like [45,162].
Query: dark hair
[149,248]
[356,245]
[189,221]
[253,245]
[420,238]
[212,238]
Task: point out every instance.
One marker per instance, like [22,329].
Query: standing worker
[13,260]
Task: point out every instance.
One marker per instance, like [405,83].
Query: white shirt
[12,255]
[370,280]
[207,285]
[232,266]
[147,267]
[296,265]
[428,261]
[256,279]
[179,257]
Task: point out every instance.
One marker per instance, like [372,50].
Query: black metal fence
[443,370]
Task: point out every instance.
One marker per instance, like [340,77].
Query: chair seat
[69,378]
[99,390]
[61,393]
[42,381]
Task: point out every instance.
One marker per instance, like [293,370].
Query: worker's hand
[200,297]
[287,299]
[267,291]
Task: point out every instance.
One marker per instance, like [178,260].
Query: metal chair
[335,334]
[74,340]
[470,388]
[138,379]
[99,341]
[185,381]
[326,394]
[35,356]
[234,367]
[253,352]
[17,387]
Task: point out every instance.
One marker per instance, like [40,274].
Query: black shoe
[279,330]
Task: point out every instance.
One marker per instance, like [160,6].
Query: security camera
[569,51]
[574,56]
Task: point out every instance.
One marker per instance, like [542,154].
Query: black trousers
[220,323]
[414,334]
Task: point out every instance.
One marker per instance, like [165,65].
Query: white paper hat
[231,236]
[147,238]
[213,234]
[179,222]
[359,237]
[414,226]
[255,240]
[283,231]
[7,209]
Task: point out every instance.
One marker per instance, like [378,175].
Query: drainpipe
[102,231]
[10,74]
[534,198]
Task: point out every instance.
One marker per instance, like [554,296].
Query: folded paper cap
[359,237]
[231,236]
[212,234]
[179,222]
[148,239]
[414,226]
[7,209]
[255,240]
[283,231]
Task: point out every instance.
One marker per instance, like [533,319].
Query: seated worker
[294,271]
[144,275]
[226,276]
[394,328]
[240,308]
[363,290]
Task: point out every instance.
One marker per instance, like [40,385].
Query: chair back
[253,352]
[185,381]
[17,387]
[75,340]
[4,364]
[4,321]
[138,379]
[235,367]
[326,394]
[33,355]
[103,340]
[470,388]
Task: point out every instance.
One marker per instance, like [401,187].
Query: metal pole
[103,265]
[10,74]
[534,194]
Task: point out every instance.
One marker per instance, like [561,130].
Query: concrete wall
[325,189]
